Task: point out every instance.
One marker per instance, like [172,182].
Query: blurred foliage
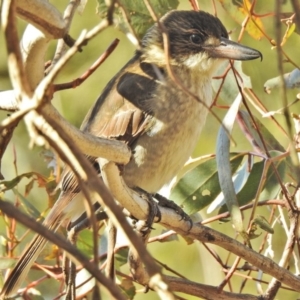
[140,18]
[22,167]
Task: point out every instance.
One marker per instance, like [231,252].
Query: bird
[145,108]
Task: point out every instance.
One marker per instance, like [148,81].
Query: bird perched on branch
[158,117]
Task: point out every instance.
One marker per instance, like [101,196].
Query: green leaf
[139,15]
[8,185]
[250,130]
[85,242]
[121,258]
[239,180]
[31,210]
[263,223]
[224,168]
[271,187]
[200,186]
[128,288]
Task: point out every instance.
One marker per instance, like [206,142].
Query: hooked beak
[231,50]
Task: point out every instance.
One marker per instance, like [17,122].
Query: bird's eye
[195,38]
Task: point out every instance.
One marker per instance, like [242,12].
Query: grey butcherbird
[146,109]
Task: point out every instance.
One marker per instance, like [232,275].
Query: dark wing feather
[123,111]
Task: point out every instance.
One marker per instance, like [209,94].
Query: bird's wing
[123,111]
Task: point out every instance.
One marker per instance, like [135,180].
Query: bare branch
[68,17]
[76,255]
[42,15]
[205,291]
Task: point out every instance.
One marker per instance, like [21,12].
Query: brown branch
[14,213]
[205,291]
[207,235]
[15,66]
[61,45]
[286,254]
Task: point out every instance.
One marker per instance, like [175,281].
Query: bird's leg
[153,207]
[83,221]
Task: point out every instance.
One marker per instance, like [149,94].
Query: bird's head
[196,39]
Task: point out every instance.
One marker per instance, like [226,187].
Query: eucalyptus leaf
[121,258]
[128,288]
[271,187]
[30,208]
[239,180]
[224,169]
[85,282]
[85,242]
[262,222]
[6,185]
[250,131]
[291,80]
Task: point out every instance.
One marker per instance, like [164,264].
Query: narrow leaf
[29,207]
[262,222]
[250,131]
[239,180]
[291,80]
[128,288]
[224,170]
[8,185]
[271,187]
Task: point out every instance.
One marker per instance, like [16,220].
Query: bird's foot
[154,211]
[156,200]
[165,202]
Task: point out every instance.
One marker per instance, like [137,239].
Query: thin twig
[68,18]
[90,71]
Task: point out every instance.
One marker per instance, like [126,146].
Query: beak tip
[258,54]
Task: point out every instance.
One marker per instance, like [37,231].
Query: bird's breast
[178,120]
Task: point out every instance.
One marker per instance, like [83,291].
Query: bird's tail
[27,259]
[63,208]
[20,271]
